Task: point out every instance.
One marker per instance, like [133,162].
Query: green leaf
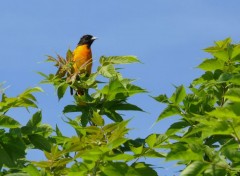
[212,127]
[115,169]
[35,120]
[233,94]
[69,55]
[8,122]
[137,150]
[17,174]
[231,151]
[118,133]
[32,170]
[42,164]
[42,74]
[194,169]
[236,51]
[91,155]
[97,119]
[117,157]
[91,79]
[153,154]
[40,142]
[223,43]
[113,115]
[61,89]
[221,55]
[168,111]
[224,113]
[225,77]
[161,138]
[6,158]
[32,90]
[107,71]
[151,140]
[58,132]
[125,107]
[115,90]
[235,79]
[133,89]
[63,162]
[116,143]
[118,60]
[161,98]
[72,108]
[184,155]
[144,169]
[179,95]
[176,127]
[211,64]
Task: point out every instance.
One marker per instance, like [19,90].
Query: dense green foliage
[205,137]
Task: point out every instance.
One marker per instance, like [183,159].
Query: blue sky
[167,36]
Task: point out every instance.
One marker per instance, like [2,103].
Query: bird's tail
[71,91]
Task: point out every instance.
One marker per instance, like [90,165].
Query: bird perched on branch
[82,58]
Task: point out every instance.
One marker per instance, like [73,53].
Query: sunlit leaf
[97,119]
[211,64]
[116,143]
[58,132]
[118,157]
[116,169]
[8,122]
[151,140]
[224,113]
[194,169]
[32,170]
[69,55]
[118,59]
[235,79]
[168,111]
[137,150]
[35,120]
[233,94]
[184,155]
[107,71]
[178,95]
[177,127]
[161,98]
[221,55]
[153,154]
[223,43]
[236,51]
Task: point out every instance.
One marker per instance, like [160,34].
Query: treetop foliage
[204,139]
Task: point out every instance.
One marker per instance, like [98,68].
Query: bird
[82,58]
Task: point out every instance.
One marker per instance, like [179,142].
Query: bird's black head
[87,40]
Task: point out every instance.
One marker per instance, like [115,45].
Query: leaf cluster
[206,137]
[97,148]
[16,138]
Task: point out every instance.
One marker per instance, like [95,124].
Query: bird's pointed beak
[94,38]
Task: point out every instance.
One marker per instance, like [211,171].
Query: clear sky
[166,35]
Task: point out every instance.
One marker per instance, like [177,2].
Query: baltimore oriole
[82,58]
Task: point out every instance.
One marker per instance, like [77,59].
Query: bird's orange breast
[82,58]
